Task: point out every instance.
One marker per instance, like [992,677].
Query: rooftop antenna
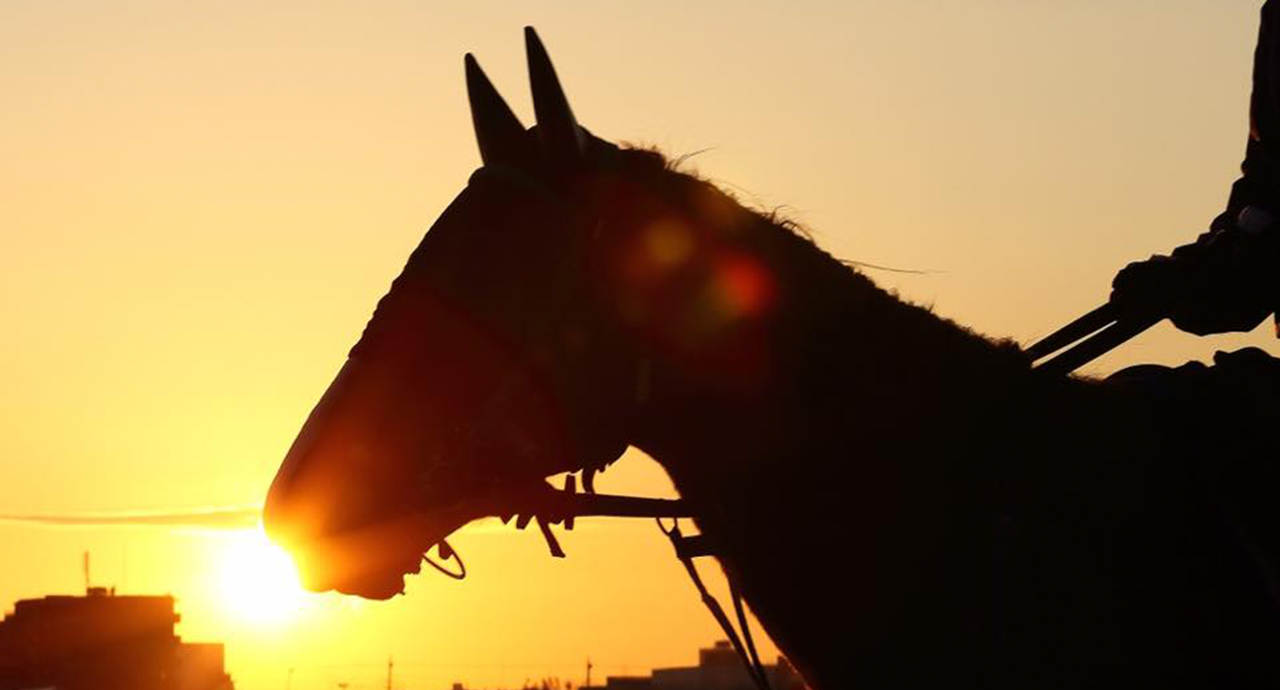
[86,572]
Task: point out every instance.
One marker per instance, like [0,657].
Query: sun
[259,581]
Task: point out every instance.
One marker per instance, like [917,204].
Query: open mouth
[381,583]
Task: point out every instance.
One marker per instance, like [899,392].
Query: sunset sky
[200,204]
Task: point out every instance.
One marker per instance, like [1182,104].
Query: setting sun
[259,581]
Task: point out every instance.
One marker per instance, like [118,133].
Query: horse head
[487,367]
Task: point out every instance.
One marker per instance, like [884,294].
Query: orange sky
[201,206]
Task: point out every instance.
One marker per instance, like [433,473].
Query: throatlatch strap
[688,548]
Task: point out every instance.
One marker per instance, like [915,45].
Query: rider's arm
[1229,278]
[1259,185]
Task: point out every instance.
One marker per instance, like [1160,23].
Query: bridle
[547,506]
[562,144]
[540,502]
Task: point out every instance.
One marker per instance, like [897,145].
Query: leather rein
[548,506]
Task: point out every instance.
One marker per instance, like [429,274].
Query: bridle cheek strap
[691,547]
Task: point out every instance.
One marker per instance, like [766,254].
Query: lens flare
[744,285]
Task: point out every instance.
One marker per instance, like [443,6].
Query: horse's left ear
[561,137]
[499,133]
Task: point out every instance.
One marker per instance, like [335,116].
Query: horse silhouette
[901,501]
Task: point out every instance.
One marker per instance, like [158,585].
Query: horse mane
[863,327]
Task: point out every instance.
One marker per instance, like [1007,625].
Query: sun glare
[259,581]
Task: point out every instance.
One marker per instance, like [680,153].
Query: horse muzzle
[348,501]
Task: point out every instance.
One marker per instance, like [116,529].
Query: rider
[1229,278]
[1221,419]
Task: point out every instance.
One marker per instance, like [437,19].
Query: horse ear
[499,133]
[561,136]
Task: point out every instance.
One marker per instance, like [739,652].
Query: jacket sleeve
[1259,185]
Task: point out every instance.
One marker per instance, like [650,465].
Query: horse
[900,500]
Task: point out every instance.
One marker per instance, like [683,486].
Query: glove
[1227,280]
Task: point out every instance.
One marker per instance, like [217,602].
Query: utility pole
[86,572]
[588,671]
[390,665]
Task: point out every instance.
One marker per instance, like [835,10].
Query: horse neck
[835,367]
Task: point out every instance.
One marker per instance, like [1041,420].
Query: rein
[1094,334]
[549,506]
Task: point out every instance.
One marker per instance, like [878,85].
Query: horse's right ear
[561,136]
[499,134]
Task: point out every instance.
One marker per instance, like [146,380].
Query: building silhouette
[719,668]
[101,641]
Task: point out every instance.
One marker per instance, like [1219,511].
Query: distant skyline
[202,204]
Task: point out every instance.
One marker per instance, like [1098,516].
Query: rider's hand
[1225,281]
